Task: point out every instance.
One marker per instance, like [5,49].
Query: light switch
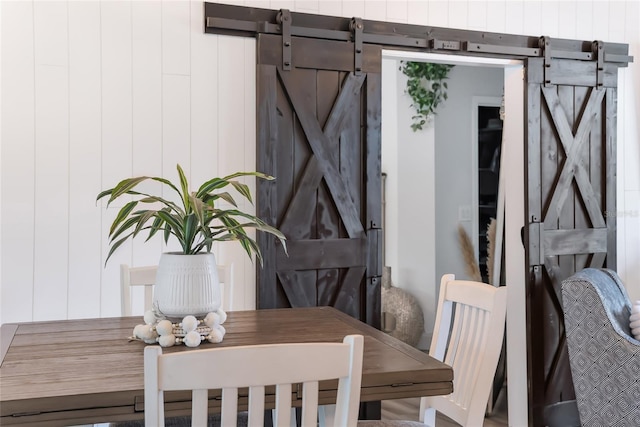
[464,213]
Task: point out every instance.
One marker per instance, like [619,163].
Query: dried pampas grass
[469,255]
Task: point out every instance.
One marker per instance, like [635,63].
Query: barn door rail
[250,21]
[217,25]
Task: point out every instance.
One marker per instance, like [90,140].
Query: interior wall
[389,163]
[454,166]
[628,176]
[408,161]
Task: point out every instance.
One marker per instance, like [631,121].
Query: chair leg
[428,417]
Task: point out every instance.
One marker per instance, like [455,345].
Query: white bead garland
[190,332]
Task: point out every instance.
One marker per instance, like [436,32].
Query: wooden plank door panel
[570,157]
[319,135]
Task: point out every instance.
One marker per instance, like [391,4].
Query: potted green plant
[186,281]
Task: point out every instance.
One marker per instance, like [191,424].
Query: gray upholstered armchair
[603,355]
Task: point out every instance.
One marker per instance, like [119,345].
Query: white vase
[187,284]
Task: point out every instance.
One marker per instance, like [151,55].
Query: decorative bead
[164,327]
[138,331]
[215,336]
[189,323]
[222,314]
[144,332]
[150,317]
[192,339]
[212,319]
[167,340]
[221,328]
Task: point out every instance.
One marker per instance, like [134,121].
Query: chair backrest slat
[310,399]
[229,407]
[256,405]
[283,405]
[199,407]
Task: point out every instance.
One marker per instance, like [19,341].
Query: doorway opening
[488,142]
[412,200]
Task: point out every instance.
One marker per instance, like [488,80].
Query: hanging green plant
[426,87]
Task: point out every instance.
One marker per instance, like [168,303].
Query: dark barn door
[319,135]
[571,164]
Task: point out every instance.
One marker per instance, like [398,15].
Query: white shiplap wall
[93,92]
[96,91]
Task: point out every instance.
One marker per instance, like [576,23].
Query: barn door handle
[374,252]
[536,247]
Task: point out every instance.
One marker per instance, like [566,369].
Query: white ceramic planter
[187,284]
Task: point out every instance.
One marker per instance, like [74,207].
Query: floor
[407,409]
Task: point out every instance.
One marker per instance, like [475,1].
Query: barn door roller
[545,45]
[284,19]
[357,27]
[548,52]
[598,50]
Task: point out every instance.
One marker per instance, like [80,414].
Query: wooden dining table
[68,372]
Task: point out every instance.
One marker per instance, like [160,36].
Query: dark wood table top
[87,371]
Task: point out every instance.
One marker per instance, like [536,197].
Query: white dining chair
[256,367]
[468,334]
[136,276]
[145,276]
